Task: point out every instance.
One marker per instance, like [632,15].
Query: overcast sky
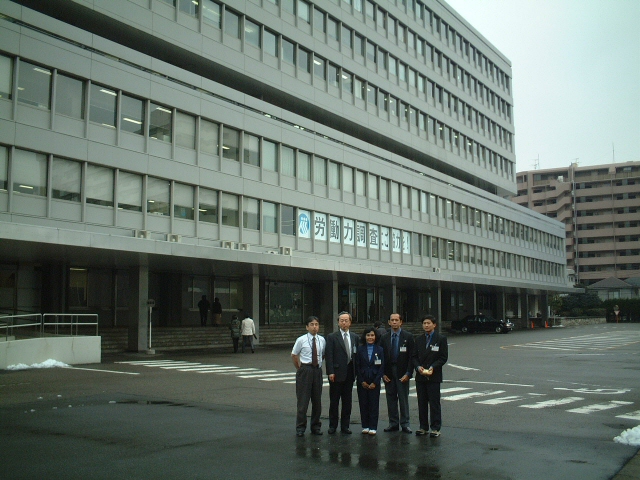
[576,76]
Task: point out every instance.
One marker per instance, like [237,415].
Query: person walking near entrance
[398,346]
[216,311]
[248,328]
[203,306]
[234,326]
[308,354]
[341,345]
[431,354]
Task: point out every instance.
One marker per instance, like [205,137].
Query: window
[384,190]
[304,11]
[334,75]
[183,201]
[189,7]
[6,77]
[251,213]
[395,193]
[69,96]
[270,155]
[358,47]
[29,173]
[347,82]
[288,161]
[211,12]
[185,130]
[209,133]
[208,205]
[304,166]
[103,106]
[158,196]
[288,6]
[334,175]
[347,178]
[231,144]
[373,186]
[371,52]
[332,29]
[99,186]
[160,123]
[229,205]
[358,88]
[319,171]
[346,38]
[288,51]
[251,33]
[304,57]
[34,86]
[288,220]
[270,43]
[131,115]
[318,20]
[360,183]
[231,24]
[251,150]
[269,217]
[129,191]
[66,180]
[320,68]
[78,280]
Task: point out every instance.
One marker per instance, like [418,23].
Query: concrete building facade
[600,207]
[289,157]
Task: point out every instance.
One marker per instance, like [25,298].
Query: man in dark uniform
[203,306]
[398,348]
[431,354]
[341,345]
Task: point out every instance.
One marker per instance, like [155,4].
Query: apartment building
[289,157]
[600,207]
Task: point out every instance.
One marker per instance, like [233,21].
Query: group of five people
[369,360]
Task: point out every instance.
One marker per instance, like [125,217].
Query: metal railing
[64,324]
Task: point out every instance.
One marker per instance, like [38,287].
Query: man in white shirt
[248,328]
[307,355]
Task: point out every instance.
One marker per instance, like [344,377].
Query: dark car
[481,323]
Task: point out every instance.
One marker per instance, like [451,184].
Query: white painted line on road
[205,367]
[454,389]
[243,370]
[260,374]
[631,415]
[599,407]
[277,379]
[174,367]
[597,391]
[553,403]
[151,363]
[464,396]
[105,371]
[463,368]
[491,383]
[501,400]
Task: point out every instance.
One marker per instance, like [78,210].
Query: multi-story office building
[600,207]
[289,157]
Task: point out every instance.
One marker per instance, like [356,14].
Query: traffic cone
[532,325]
[546,324]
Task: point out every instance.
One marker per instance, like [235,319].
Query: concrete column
[544,307]
[138,309]
[437,308]
[524,307]
[251,300]
[500,304]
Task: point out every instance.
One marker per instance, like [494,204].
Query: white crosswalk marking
[631,415]
[242,370]
[464,396]
[262,375]
[553,403]
[598,407]
[500,400]
[444,390]
[212,368]
[279,378]
[172,367]
[605,341]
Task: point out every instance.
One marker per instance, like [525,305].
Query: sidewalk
[631,471]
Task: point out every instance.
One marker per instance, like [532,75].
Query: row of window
[30,173]
[398,72]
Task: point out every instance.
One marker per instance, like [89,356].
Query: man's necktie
[428,340]
[314,353]
[394,347]
[345,337]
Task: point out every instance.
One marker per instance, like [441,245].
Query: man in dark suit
[341,346]
[431,354]
[398,348]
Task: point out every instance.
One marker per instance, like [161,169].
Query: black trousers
[429,403]
[236,342]
[308,388]
[341,391]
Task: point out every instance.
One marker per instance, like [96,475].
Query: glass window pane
[332,28]
[34,85]
[360,183]
[319,171]
[384,190]
[69,96]
[129,191]
[288,161]
[288,6]
[4,163]
[347,82]
[318,20]
[334,76]
[251,33]
[189,7]
[270,43]
[373,186]
[304,13]
[304,166]
[183,201]
[103,106]
[211,12]
[66,179]
[209,132]
[303,60]
[185,130]
[158,196]
[288,224]
[347,179]
[160,123]
[270,155]
[229,205]
[251,150]
[231,24]
[208,205]
[345,36]
[6,77]
[251,213]
[288,51]
[334,175]
[270,217]
[231,144]
[29,172]
[99,186]
[320,68]
[132,114]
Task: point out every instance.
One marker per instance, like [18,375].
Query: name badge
[403,349]
[377,361]
[435,348]
[354,350]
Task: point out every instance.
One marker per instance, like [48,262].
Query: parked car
[481,323]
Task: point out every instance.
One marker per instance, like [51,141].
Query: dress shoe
[316,432]
[332,431]
[435,433]
[406,430]
[392,429]
[345,431]
[420,432]
[300,433]
[372,432]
